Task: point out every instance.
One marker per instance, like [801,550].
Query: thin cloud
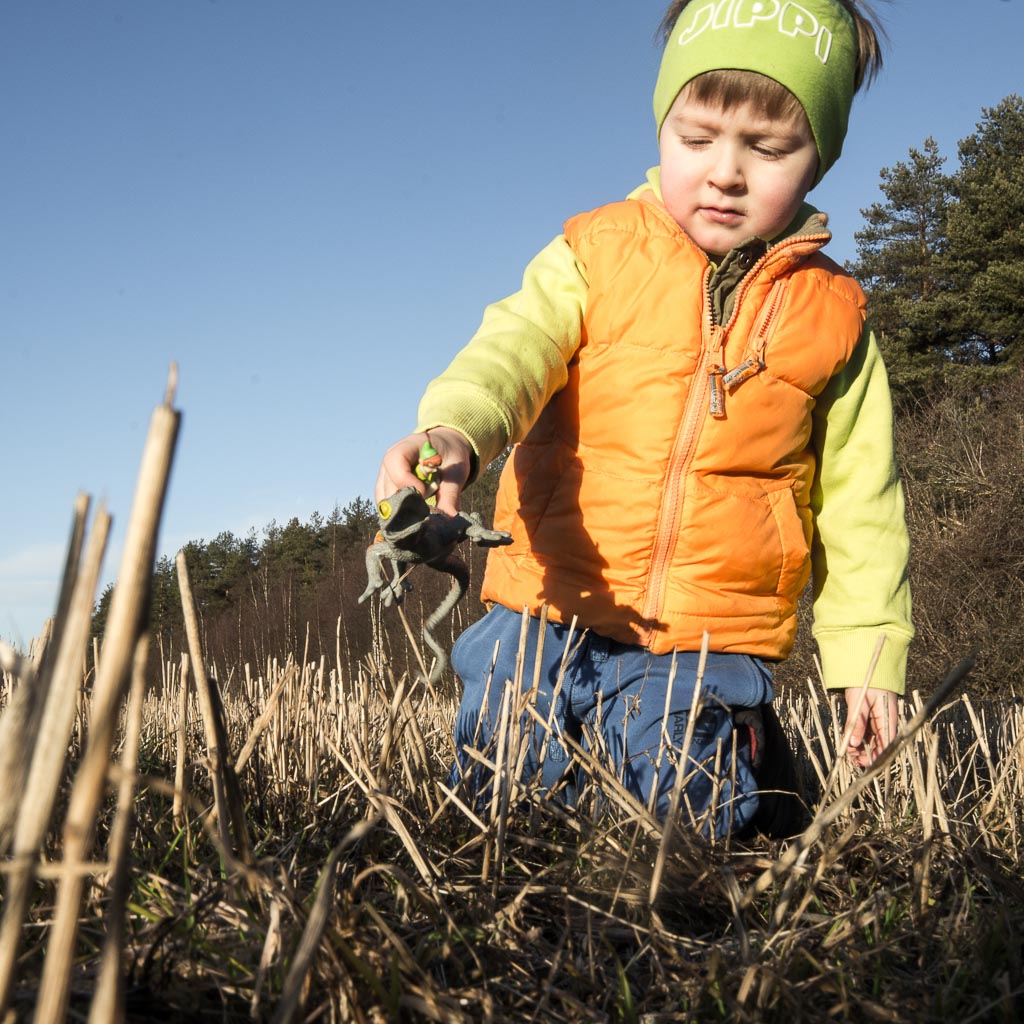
[29,581]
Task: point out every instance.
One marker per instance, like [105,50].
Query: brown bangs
[729,88]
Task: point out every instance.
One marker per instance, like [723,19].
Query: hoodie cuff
[846,657]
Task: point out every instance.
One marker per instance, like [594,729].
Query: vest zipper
[699,403]
[704,383]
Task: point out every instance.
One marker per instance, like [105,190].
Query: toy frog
[411,532]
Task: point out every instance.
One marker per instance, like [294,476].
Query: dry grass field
[278,844]
[302,861]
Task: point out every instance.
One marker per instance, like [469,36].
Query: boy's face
[728,175]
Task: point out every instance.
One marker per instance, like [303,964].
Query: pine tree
[985,233]
[901,258]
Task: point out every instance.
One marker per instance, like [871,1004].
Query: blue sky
[306,205]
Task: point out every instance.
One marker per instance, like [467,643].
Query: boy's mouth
[721,215]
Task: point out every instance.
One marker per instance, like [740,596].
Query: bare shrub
[962,455]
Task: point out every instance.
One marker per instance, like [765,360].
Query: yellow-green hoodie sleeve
[860,548]
[495,388]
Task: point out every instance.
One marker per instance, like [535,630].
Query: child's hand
[398,467]
[871,721]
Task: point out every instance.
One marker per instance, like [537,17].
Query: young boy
[699,416]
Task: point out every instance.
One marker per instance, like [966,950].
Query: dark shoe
[781,812]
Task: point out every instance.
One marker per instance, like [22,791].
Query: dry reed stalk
[830,854]
[49,745]
[261,723]
[613,792]
[498,776]
[512,738]
[568,652]
[405,760]
[526,739]
[16,668]
[291,995]
[384,806]
[664,742]
[1013,761]
[387,742]
[916,787]
[980,733]
[107,1005]
[416,649]
[820,732]
[519,741]
[682,775]
[417,746]
[923,857]
[918,772]
[464,808]
[72,561]
[228,805]
[181,733]
[19,723]
[271,946]
[538,660]
[126,620]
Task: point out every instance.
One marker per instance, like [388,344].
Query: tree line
[942,261]
[255,594]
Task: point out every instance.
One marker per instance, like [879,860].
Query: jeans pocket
[738,680]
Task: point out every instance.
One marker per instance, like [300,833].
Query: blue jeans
[613,698]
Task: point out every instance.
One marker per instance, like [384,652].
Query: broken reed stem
[126,620]
[181,735]
[19,724]
[47,750]
[54,730]
[107,1005]
[227,798]
[69,577]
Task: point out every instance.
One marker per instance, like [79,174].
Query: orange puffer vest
[665,490]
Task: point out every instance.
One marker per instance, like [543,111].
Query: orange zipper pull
[716,371]
[736,376]
[716,398]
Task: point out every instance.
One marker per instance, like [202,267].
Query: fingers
[397,468]
[872,719]
[856,725]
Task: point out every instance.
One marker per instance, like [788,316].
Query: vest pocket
[794,527]
[743,546]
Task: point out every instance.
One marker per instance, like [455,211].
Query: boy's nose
[725,172]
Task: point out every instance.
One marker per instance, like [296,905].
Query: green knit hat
[809,47]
